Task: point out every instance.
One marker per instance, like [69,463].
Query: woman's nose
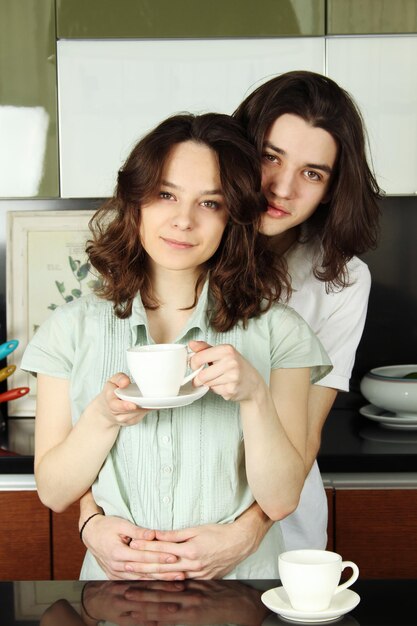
[183,216]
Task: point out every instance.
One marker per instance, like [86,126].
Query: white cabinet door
[380,73]
[112,92]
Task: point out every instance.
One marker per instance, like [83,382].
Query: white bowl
[386,388]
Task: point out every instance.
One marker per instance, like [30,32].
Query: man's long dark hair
[346,224]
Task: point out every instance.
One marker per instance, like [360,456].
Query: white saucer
[275,620]
[277,600]
[186,395]
[388,419]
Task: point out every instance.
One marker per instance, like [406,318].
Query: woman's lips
[178,245]
[277,211]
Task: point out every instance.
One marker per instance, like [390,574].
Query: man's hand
[210,550]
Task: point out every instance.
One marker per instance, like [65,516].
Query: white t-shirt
[338,319]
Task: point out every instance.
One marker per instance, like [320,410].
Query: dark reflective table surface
[158,603]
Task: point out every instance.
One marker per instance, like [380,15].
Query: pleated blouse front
[178,467]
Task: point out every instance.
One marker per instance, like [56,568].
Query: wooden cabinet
[38,544]
[377,529]
[67,548]
[25,547]
[330,522]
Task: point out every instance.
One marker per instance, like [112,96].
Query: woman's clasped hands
[128,552]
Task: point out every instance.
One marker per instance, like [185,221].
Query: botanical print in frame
[46,266]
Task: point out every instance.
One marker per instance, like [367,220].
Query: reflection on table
[158,603]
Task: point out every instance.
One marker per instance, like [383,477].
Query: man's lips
[179,245]
[274,211]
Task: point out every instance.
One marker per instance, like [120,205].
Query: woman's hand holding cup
[117,412]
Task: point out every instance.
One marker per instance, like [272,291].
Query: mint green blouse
[178,467]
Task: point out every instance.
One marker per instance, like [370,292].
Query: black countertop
[383,603]
[351,443]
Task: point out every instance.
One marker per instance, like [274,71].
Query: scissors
[12,394]
[7,371]
[7,348]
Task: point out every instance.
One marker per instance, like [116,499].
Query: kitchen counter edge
[380,480]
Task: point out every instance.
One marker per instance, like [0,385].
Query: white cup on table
[311,577]
[159,369]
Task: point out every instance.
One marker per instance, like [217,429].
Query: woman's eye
[210,204]
[165,195]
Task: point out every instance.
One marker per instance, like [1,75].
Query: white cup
[311,577]
[159,369]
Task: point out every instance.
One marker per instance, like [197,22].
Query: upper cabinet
[371,17]
[92,77]
[132,19]
[380,73]
[113,92]
[28,103]
[120,72]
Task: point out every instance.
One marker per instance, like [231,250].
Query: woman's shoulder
[82,305]
[276,320]
[82,312]
[284,314]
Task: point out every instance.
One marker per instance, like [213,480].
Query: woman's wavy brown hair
[346,224]
[244,277]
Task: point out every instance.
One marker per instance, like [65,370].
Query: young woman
[322,212]
[181,261]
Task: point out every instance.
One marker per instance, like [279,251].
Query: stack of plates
[387,419]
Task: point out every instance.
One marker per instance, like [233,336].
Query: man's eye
[312,175]
[270,157]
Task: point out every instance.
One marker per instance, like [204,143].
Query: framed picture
[46,266]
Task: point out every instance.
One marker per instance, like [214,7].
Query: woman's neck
[175,291]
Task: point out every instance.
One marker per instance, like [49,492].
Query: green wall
[189,18]
[361,17]
[28,70]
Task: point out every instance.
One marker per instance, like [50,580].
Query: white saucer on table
[277,600]
[277,620]
[389,419]
[186,395]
